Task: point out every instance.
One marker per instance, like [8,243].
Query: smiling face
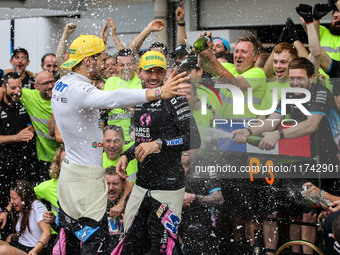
[126,67]
[50,65]
[44,82]
[13,91]
[110,67]
[218,47]
[298,79]
[151,78]
[113,144]
[280,64]
[115,187]
[244,57]
[334,27]
[19,62]
[15,201]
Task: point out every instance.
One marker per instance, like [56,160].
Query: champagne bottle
[254,139]
[200,44]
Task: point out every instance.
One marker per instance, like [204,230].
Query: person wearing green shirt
[126,78]
[37,103]
[47,190]
[114,147]
[276,69]
[241,74]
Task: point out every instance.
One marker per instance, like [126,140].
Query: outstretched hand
[121,166]
[180,12]
[112,26]
[103,35]
[156,25]
[173,87]
[321,10]
[306,12]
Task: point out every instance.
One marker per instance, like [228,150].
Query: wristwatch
[158,93]
[159,143]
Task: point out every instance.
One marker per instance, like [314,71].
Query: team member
[49,64]
[19,61]
[38,105]
[162,131]
[114,146]
[17,148]
[277,64]
[125,79]
[76,103]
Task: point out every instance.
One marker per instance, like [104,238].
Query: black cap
[181,50]
[188,64]
[17,50]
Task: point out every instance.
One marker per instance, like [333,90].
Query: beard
[333,29]
[10,100]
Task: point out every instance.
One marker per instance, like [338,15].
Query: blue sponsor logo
[172,225]
[60,86]
[174,142]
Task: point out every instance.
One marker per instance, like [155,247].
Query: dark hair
[43,57]
[111,170]
[302,63]
[257,45]
[11,75]
[126,52]
[116,128]
[17,50]
[26,193]
[159,45]
[108,57]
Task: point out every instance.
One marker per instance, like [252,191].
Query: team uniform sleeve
[333,72]
[130,153]
[189,137]
[88,96]
[320,105]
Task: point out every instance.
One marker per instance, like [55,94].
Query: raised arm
[180,14]
[115,38]
[61,50]
[154,26]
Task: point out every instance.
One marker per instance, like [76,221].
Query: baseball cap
[82,47]
[181,50]
[224,42]
[17,50]
[152,59]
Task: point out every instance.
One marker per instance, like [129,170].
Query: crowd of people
[98,152]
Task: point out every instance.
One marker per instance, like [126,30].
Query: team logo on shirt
[145,120]
[95,145]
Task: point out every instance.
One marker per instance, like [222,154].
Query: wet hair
[257,45]
[11,75]
[108,57]
[159,45]
[26,193]
[55,165]
[302,63]
[111,170]
[44,57]
[116,128]
[126,52]
[284,46]
[17,50]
